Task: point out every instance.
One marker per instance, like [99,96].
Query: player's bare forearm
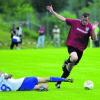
[58,16]
[93,36]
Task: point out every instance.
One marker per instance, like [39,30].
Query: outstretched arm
[50,9]
[93,36]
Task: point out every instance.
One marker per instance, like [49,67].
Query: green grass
[48,62]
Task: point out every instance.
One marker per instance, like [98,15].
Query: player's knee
[73,57]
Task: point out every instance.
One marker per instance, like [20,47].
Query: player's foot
[57,86]
[69,80]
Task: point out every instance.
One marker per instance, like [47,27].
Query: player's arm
[50,9]
[93,36]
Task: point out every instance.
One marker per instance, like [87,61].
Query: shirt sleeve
[70,21]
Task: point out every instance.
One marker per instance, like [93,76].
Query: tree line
[34,11]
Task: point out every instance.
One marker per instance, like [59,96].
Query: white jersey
[19,32]
[56,31]
[10,84]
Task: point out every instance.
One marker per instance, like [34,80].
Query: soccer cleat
[69,80]
[57,86]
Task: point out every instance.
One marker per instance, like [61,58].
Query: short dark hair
[86,14]
[17,28]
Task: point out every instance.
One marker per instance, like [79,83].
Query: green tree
[93,9]
[76,5]
[40,5]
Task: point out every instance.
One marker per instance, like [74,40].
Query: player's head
[85,18]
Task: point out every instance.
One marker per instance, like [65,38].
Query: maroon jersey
[78,36]
[42,30]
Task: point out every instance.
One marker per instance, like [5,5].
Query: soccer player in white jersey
[8,83]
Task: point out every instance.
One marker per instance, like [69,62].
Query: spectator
[41,37]
[15,39]
[56,36]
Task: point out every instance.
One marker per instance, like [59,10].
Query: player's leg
[42,40]
[17,45]
[39,41]
[12,45]
[74,58]
[67,67]
[28,84]
[50,79]
[37,83]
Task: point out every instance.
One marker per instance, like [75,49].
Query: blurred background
[31,14]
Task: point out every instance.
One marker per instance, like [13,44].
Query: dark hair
[86,14]
[17,28]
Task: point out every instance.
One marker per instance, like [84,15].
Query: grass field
[48,62]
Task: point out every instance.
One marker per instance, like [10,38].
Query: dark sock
[67,61]
[65,71]
[64,75]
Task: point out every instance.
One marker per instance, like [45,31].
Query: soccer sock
[64,75]
[65,70]
[67,61]
[56,79]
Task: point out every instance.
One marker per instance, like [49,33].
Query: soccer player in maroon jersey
[77,40]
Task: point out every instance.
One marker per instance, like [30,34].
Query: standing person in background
[16,36]
[15,40]
[41,37]
[96,30]
[77,40]
[56,36]
[13,36]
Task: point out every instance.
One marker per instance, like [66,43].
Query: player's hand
[50,8]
